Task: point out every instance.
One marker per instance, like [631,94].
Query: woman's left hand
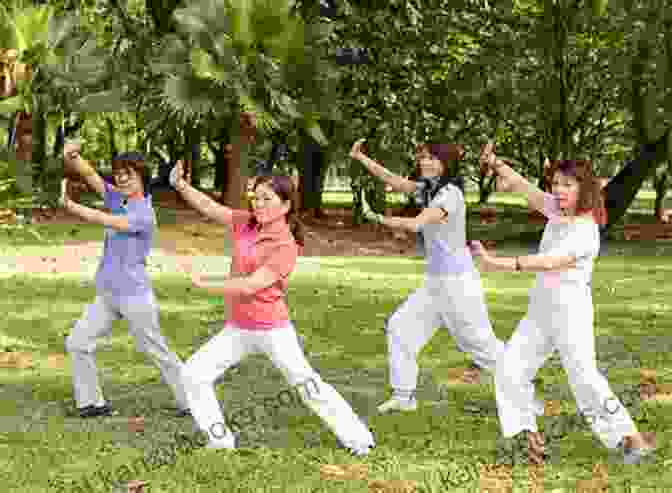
[197,280]
[478,250]
[64,201]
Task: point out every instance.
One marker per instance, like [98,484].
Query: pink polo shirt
[276,250]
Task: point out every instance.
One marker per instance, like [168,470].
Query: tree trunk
[242,134]
[194,146]
[622,188]
[234,178]
[221,164]
[660,185]
[161,12]
[113,143]
[23,137]
[312,176]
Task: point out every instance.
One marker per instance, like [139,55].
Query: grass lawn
[339,305]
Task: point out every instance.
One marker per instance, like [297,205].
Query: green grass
[340,306]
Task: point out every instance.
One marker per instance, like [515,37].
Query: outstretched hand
[368,213]
[64,201]
[357,151]
[178,179]
[477,249]
[488,158]
[71,151]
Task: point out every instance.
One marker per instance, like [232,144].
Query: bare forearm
[201,202]
[517,183]
[529,263]
[405,223]
[229,287]
[515,180]
[86,213]
[395,181]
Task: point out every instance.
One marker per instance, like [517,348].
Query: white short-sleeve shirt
[445,243]
[579,238]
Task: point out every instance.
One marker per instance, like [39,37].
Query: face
[566,189]
[267,206]
[128,181]
[430,167]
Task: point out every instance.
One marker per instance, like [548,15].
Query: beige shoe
[396,404]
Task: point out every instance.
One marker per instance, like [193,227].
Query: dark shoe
[183,413]
[95,411]
[632,455]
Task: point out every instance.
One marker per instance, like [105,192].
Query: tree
[63,73]
[247,63]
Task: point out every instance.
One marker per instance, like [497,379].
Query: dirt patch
[335,235]
[183,231]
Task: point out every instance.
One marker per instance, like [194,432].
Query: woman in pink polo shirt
[264,255]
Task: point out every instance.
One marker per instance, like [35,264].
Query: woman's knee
[508,370]
[192,375]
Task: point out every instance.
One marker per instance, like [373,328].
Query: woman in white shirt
[560,311]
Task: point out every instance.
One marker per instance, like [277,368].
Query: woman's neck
[571,216]
[275,226]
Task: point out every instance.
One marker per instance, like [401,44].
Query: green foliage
[232,56]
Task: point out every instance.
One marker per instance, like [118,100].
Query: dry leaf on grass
[592,486]
[392,486]
[551,408]
[56,361]
[16,359]
[344,472]
[455,376]
[136,425]
[136,486]
[647,375]
[495,479]
[600,471]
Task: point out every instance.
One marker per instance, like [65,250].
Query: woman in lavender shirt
[123,288]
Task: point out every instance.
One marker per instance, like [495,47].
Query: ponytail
[297,228]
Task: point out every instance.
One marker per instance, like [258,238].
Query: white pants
[454,301]
[565,323]
[142,314]
[282,346]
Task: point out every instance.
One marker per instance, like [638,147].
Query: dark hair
[136,162]
[285,189]
[446,153]
[590,197]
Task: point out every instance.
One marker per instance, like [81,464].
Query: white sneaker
[227,442]
[538,407]
[396,404]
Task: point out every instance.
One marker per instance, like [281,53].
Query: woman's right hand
[357,151]
[71,151]
[488,158]
[178,179]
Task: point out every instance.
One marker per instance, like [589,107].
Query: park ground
[345,286]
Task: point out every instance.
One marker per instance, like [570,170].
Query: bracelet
[518,269]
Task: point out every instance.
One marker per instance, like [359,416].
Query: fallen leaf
[136,486]
[16,359]
[345,471]
[392,486]
[592,486]
[136,424]
[56,361]
[551,408]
